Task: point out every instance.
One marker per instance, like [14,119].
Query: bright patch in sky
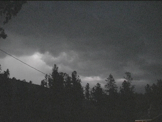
[22,71]
[92,80]
[36,56]
[120,80]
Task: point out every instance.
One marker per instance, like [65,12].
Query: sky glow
[94,38]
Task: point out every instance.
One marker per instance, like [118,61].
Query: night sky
[93,38]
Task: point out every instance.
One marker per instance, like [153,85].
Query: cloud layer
[93,38]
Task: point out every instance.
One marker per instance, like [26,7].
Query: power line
[22,61]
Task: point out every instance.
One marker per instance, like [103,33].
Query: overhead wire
[23,62]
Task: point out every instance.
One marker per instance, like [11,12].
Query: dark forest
[61,97]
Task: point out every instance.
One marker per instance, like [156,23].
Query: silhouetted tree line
[61,97]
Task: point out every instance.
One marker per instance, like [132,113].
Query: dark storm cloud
[100,37]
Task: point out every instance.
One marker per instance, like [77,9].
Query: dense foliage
[61,97]
[8,9]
